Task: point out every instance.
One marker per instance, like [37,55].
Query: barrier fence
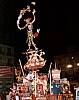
[56,97]
[46,97]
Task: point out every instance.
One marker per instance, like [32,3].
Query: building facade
[6,55]
[6,67]
[69,65]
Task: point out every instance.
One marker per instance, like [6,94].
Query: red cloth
[36,34]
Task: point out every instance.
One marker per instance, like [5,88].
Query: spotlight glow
[69,66]
[77,64]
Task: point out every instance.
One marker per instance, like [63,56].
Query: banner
[6,71]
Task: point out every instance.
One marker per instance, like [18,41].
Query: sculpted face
[30,27]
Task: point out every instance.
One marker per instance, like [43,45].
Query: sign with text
[77,93]
[56,74]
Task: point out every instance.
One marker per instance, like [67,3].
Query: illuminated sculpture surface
[28,25]
[34,56]
[35,60]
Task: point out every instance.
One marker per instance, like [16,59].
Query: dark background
[59,26]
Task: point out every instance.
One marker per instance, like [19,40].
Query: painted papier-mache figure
[29,25]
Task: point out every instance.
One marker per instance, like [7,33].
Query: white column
[35,83]
[50,83]
[17,97]
[50,76]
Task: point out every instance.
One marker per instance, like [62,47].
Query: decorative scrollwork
[35,60]
[28,22]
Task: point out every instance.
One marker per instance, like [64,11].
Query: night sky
[59,26]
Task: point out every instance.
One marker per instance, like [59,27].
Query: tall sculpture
[34,56]
[29,25]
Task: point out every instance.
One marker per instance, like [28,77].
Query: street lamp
[77,64]
[69,66]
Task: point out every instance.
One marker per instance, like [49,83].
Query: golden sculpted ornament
[35,60]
